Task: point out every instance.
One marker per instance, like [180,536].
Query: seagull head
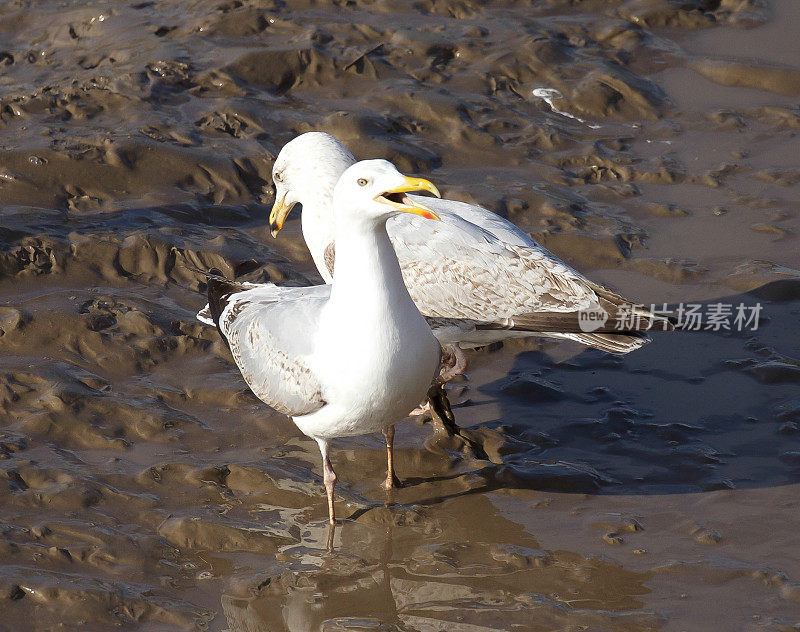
[305,172]
[371,191]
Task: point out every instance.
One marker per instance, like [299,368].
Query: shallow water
[143,487]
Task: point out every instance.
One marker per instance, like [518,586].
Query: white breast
[374,371]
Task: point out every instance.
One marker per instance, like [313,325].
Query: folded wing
[477,266]
[270,332]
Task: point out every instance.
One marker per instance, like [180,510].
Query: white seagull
[476,276]
[349,358]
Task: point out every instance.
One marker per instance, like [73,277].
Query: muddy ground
[143,487]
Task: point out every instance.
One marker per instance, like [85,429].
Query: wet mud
[650,143]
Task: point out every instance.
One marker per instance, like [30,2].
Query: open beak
[280,211]
[397,197]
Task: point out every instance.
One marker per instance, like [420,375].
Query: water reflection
[401,569]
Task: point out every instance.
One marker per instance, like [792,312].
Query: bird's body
[347,359]
[475,270]
[371,320]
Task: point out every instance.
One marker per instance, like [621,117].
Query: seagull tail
[619,307]
[219,291]
[612,343]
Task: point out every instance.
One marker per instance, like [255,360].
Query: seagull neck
[317,225]
[366,268]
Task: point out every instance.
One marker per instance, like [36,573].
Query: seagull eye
[278,177]
[362,182]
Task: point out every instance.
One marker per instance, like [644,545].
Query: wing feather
[454,269]
[478,266]
[270,333]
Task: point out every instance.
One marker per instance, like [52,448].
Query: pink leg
[391,479]
[329,477]
[454,362]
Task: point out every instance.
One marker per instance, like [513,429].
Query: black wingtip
[219,291]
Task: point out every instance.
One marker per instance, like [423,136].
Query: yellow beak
[412,206]
[280,211]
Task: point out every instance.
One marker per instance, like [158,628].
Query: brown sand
[141,485]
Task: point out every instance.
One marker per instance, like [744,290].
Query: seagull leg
[330,482]
[423,409]
[454,362]
[329,477]
[440,408]
[391,479]
[445,420]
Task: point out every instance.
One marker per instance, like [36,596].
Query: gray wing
[271,332]
[478,268]
[493,226]
[482,268]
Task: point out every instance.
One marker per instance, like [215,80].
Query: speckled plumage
[267,329]
[453,270]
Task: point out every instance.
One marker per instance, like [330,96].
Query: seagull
[477,277]
[348,358]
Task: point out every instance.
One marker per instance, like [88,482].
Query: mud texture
[653,144]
